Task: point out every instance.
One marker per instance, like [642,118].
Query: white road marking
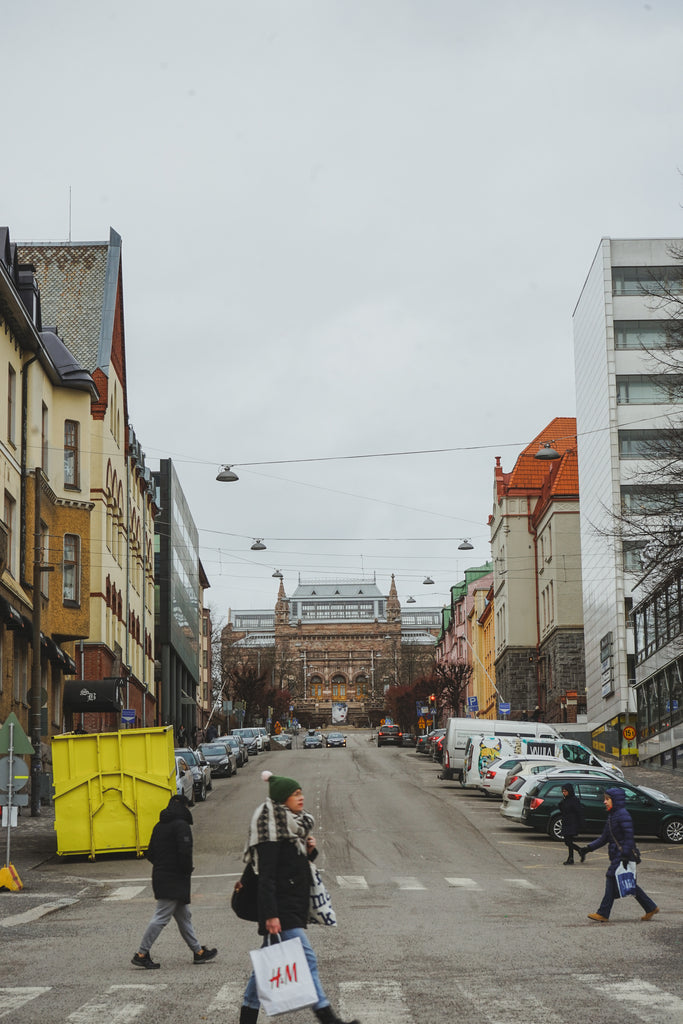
[116,1012]
[32,915]
[511,1006]
[351,882]
[645,1000]
[124,892]
[409,883]
[14,998]
[376,1003]
[463,883]
[227,999]
[521,883]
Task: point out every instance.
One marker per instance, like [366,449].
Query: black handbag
[245,895]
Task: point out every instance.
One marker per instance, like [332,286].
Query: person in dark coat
[571,813]
[182,736]
[280,847]
[170,851]
[618,836]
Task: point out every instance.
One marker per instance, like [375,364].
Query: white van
[481,750]
[458,731]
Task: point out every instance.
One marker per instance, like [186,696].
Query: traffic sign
[128,716]
[20,742]
[629,733]
[503,709]
[472,704]
[420,723]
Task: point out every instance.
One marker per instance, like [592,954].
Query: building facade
[81,290]
[461,639]
[623,405]
[535,543]
[338,643]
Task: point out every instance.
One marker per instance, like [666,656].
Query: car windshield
[212,748]
[189,757]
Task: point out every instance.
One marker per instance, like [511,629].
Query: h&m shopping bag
[320,911]
[283,977]
[626,879]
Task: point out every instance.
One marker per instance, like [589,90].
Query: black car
[238,746]
[221,759]
[389,734]
[312,740]
[653,814]
[335,739]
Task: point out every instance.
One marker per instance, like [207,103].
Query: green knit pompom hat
[280,788]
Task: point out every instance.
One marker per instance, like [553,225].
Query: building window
[20,669]
[338,687]
[649,389]
[657,499]
[647,280]
[316,687]
[11,404]
[72,569]
[646,334]
[633,552]
[10,523]
[649,444]
[71,454]
[362,686]
[44,440]
[45,559]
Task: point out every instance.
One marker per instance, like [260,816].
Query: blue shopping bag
[625,878]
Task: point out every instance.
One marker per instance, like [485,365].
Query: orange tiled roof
[535,477]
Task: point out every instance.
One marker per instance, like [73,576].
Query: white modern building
[622,405]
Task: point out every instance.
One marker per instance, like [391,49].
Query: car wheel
[673,831]
[202,791]
[210,785]
[555,828]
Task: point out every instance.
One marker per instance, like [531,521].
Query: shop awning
[9,614]
[81,695]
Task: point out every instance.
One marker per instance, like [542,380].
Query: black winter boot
[328,1016]
[248,1015]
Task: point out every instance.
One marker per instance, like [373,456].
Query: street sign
[629,733]
[21,740]
[128,716]
[472,704]
[503,709]
[420,723]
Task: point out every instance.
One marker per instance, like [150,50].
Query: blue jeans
[251,995]
[611,894]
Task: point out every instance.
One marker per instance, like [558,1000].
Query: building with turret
[337,645]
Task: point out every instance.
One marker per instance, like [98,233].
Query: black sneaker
[145,960]
[204,955]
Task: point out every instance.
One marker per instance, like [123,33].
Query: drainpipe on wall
[533,533]
[22,481]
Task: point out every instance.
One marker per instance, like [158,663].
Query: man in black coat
[170,851]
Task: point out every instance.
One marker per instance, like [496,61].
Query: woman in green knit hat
[279,847]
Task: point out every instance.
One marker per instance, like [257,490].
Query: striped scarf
[271,823]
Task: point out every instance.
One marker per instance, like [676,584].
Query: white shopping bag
[283,977]
[320,911]
[626,879]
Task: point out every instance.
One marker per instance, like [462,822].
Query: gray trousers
[165,910]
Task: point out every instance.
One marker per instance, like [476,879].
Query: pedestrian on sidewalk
[571,813]
[170,851]
[619,838]
[279,847]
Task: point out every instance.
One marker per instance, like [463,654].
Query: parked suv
[389,734]
[653,814]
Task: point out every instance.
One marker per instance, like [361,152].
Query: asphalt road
[445,913]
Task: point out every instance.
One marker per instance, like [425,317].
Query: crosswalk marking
[12,999]
[521,883]
[351,882]
[227,999]
[32,915]
[409,883]
[463,883]
[383,1001]
[124,892]
[640,995]
[116,1011]
[518,1006]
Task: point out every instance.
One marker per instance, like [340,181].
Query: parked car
[313,740]
[335,739]
[238,746]
[651,815]
[282,739]
[437,748]
[265,737]
[495,779]
[184,779]
[389,734]
[434,736]
[523,780]
[200,769]
[221,759]
[252,739]
[409,739]
[422,741]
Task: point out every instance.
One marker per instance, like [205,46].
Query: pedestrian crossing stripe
[125,892]
[12,999]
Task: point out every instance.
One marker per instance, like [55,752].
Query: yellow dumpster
[110,787]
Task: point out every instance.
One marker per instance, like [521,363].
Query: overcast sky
[350,227]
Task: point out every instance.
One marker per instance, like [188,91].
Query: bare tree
[450,681]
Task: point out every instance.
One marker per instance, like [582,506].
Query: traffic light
[432,700]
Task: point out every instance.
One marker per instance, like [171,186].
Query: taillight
[446,760]
[490,775]
[514,796]
[513,779]
[536,803]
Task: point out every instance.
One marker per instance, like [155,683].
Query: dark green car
[653,815]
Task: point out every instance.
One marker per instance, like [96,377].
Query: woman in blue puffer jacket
[619,837]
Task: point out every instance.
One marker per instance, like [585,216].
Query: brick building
[337,645]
